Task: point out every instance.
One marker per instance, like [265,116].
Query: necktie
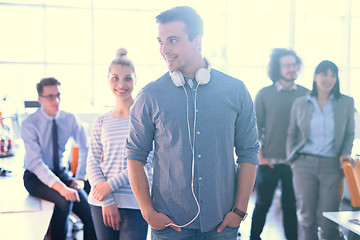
[55,148]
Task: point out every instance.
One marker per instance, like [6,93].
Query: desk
[342,218]
[31,223]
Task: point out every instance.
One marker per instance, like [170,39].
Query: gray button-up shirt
[225,119]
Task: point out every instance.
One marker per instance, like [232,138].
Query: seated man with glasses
[45,134]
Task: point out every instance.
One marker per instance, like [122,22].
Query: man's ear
[197,42]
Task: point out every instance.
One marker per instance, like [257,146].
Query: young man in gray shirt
[272,107]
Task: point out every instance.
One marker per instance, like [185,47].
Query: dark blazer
[299,127]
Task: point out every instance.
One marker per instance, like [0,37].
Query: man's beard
[292,79]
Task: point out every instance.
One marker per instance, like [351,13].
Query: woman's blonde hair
[122,59]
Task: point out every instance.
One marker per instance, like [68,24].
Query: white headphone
[202,76]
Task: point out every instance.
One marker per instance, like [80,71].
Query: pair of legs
[319,187]
[229,233]
[63,208]
[132,225]
[266,182]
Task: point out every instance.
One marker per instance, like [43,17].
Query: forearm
[68,193]
[119,180]
[140,186]
[59,186]
[245,183]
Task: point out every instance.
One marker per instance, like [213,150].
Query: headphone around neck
[202,76]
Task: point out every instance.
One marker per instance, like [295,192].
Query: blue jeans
[267,180]
[229,233]
[63,208]
[132,225]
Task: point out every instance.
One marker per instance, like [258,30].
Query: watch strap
[240,213]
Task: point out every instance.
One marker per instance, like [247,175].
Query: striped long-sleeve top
[106,161]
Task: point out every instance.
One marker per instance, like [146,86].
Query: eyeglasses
[51,96]
[288,65]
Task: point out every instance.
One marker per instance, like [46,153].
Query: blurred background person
[272,106]
[45,134]
[320,138]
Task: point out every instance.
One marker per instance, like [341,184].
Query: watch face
[243,218]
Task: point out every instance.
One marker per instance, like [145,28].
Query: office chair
[75,223]
[32,105]
[352,176]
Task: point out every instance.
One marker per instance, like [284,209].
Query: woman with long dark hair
[320,138]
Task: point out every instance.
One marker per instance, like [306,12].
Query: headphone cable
[192,146]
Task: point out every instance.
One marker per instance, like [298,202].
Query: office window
[27,2]
[354,89]
[68,35]
[75,41]
[76,85]
[69,3]
[320,38]
[22,34]
[355,40]
[322,7]
[18,81]
[118,28]
[355,8]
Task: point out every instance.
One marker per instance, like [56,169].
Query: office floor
[273,229]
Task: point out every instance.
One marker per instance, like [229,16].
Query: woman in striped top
[114,209]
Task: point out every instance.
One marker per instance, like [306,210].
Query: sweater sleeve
[94,157]
[350,129]
[260,117]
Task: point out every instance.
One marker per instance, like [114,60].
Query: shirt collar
[313,98]
[47,116]
[280,87]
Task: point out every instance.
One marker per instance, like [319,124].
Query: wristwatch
[240,213]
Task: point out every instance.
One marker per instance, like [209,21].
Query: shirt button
[199,156]
[200,178]
[198,132]
[196,110]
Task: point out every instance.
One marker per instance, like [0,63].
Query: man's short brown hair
[51,81]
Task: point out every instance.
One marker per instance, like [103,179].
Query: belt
[313,155]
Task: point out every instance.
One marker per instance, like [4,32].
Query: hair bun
[121,52]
